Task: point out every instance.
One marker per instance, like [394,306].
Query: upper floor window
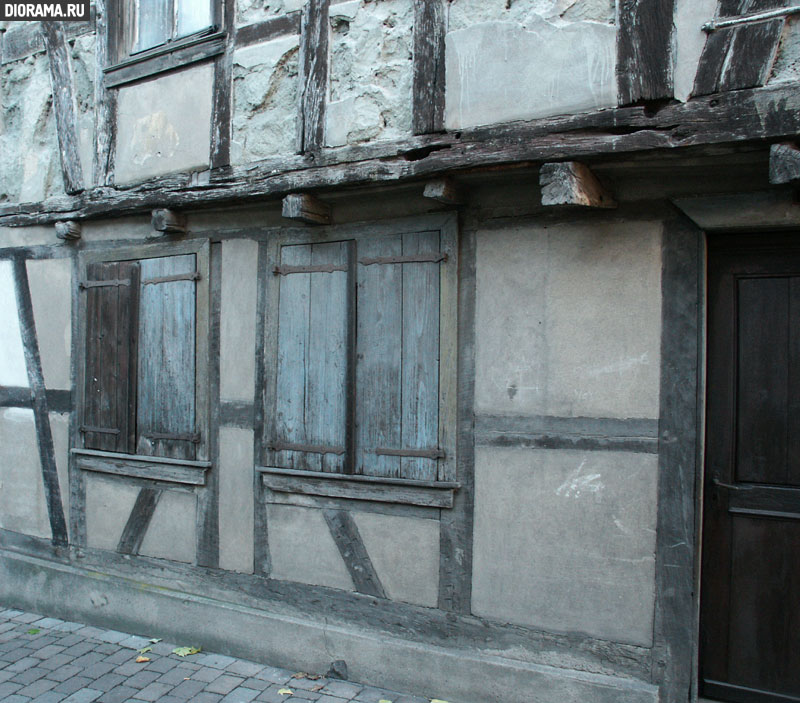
[146,37]
[360,361]
[158,22]
[144,323]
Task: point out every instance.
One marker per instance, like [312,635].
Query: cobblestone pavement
[47,660]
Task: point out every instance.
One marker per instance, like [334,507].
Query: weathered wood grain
[273,28]
[729,118]
[679,418]
[573,183]
[326,374]
[105,102]
[379,358]
[222,98]
[784,163]
[138,521]
[420,357]
[444,190]
[168,221]
[739,57]
[434,494]
[69,230]
[644,50]
[22,39]
[313,75]
[429,66]
[64,104]
[348,541]
[44,434]
[152,468]
[165,400]
[306,208]
[109,397]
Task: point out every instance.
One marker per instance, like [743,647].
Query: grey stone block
[217,661]
[244,668]
[241,695]
[6,689]
[64,672]
[343,689]
[48,651]
[154,691]
[29,675]
[108,682]
[56,661]
[49,697]
[118,694]
[208,675]
[37,688]
[224,684]
[187,690]
[23,664]
[85,695]
[73,684]
[142,679]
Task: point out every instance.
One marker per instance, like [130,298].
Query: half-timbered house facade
[456,340]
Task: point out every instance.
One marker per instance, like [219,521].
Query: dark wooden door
[750,595]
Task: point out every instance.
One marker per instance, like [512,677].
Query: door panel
[750,594]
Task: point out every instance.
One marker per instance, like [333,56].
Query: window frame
[167,469]
[438,493]
[125,66]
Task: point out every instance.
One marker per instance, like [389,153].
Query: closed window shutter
[166,423]
[397,360]
[312,371]
[110,378]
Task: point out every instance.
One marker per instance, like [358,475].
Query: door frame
[682,417]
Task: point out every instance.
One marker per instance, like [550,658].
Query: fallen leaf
[384,700]
[437,700]
[313,677]
[154,640]
[141,660]
[300,675]
[33,631]
[186,651]
[145,650]
[286,692]
[318,687]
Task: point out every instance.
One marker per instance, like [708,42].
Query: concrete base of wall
[282,639]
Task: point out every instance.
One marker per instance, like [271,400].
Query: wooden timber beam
[306,208]
[64,104]
[573,183]
[168,221]
[644,50]
[429,74]
[444,190]
[105,100]
[738,117]
[68,231]
[784,164]
[313,75]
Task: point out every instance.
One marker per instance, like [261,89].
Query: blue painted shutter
[166,382]
[311,385]
[397,360]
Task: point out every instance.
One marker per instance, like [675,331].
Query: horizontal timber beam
[738,117]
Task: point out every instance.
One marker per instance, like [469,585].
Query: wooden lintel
[69,230]
[169,221]
[573,183]
[784,164]
[444,190]
[306,208]
[727,120]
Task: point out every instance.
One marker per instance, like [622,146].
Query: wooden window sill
[165,58]
[431,494]
[136,466]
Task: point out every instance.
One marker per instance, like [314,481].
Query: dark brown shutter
[109,409]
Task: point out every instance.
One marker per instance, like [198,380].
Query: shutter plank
[420,363]
[110,357]
[166,380]
[293,329]
[739,57]
[326,382]
[378,359]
